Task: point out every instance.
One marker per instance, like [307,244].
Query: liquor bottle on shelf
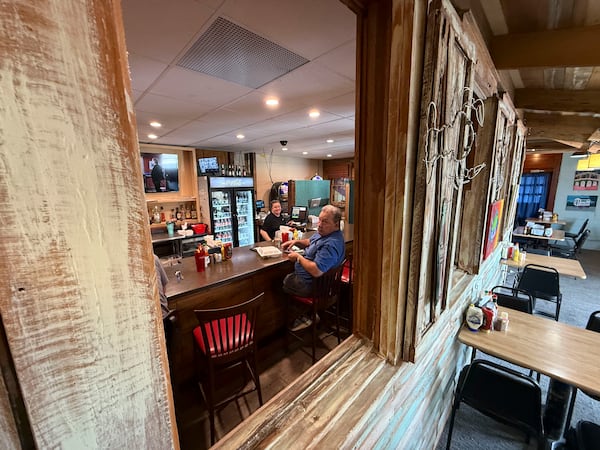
[222,170]
[193,212]
[188,213]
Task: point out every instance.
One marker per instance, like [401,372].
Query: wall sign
[581,202]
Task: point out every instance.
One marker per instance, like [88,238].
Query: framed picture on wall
[492,234]
[586,180]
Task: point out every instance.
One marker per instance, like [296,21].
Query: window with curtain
[533,195]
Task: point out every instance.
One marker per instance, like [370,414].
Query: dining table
[546,221]
[567,354]
[564,266]
[557,235]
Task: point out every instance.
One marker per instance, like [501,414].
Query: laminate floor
[277,368]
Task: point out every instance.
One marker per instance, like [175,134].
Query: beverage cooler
[231,201]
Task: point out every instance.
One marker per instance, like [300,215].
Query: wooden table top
[560,351]
[557,235]
[546,222]
[564,266]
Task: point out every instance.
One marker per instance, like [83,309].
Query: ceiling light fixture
[153,136]
[330,141]
[305,153]
[155,124]
[272,102]
[284,149]
[329,155]
[314,113]
[240,136]
[580,154]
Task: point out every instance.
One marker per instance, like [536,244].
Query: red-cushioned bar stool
[325,295]
[224,338]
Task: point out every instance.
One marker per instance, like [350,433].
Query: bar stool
[224,338]
[325,295]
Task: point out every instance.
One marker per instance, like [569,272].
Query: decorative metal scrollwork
[472,109]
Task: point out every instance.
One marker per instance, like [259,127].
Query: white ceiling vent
[232,53]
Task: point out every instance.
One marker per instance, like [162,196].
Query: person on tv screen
[158,174]
[272,222]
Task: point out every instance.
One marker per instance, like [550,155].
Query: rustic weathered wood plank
[78,296]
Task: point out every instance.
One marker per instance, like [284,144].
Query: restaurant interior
[245,102]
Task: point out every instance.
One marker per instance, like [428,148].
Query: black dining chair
[543,283]
[593,324]
[514,298]
[570,251]
[503,395]
[574,236]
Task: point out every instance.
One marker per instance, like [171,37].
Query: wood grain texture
[558,350]
[79,297]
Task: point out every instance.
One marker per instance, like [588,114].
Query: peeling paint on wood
[79,296]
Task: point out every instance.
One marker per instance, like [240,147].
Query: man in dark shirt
[157,174]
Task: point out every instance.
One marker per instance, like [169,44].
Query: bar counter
[227,283]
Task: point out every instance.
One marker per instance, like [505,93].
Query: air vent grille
[232,53]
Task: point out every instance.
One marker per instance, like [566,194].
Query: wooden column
[78,295]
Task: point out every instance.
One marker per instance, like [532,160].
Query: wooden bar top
[244,262]
[564,266]
[560,351]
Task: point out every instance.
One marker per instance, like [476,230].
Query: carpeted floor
[473,430]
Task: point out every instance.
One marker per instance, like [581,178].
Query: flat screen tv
[208,165]
[161,172]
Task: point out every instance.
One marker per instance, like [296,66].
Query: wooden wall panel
[78,295]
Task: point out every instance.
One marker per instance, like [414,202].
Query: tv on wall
[208,165]
[161,172]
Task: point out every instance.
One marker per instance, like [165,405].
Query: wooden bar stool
[325,294]
[224,338]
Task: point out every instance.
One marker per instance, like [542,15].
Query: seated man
[323,251]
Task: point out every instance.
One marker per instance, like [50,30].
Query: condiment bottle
[474,317]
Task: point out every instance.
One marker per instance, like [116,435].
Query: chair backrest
[594,322]
[581,230]
[581,240]
[540,281]
[503,394]
[514,298]
[229,332]
[328,286]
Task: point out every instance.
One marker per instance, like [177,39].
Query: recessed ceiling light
[314,113]
[330,141]
[272,102]
[329,155]
[240,136]
[305,153]
[155,124]
[153,136]
[284,149]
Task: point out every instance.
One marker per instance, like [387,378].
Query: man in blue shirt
[323,251]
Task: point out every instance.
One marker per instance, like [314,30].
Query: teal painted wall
[307,189]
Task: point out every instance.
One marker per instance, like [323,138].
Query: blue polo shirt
[326,251]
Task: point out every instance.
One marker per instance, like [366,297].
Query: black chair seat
[501,394]
[543,283]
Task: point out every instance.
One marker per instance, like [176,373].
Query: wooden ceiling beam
[560,127]
[585,101]
[550,146]
[567,47]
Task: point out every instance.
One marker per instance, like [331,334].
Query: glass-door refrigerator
[232,209]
